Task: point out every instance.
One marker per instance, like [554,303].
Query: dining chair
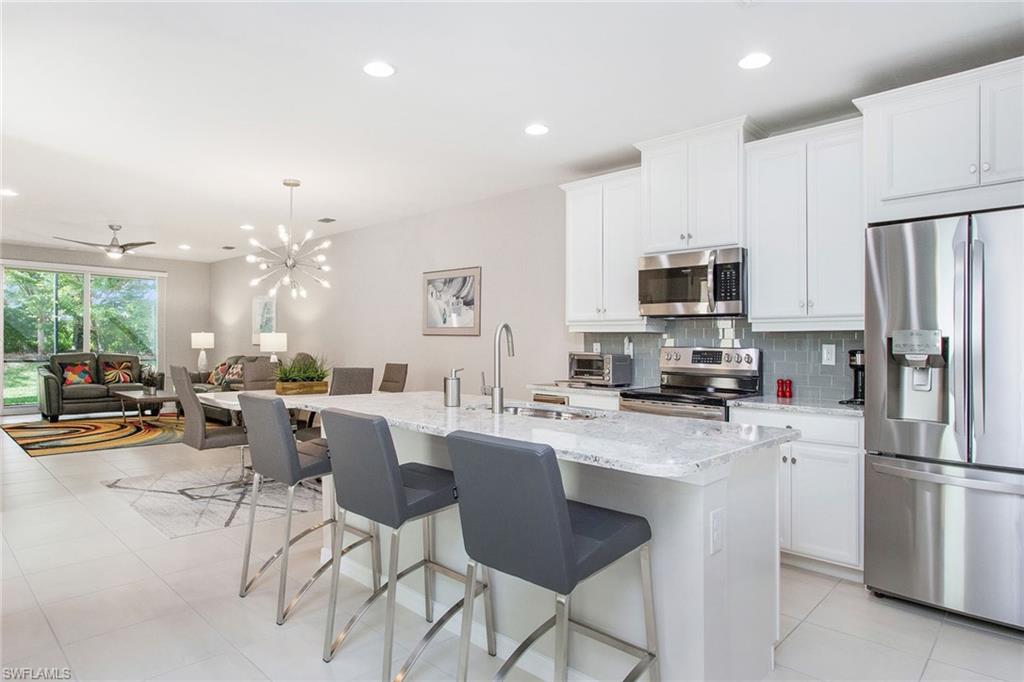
[197,435]
[394,377]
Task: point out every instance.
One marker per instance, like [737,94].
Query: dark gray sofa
[56,399]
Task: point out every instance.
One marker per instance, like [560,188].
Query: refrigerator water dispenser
[917,375]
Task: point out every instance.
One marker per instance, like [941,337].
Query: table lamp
[202,341]
[273,342]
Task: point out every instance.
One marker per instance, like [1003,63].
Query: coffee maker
[857,365]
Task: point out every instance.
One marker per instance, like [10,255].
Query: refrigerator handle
[978,336]
[959,363]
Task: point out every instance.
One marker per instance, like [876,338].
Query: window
[51,311]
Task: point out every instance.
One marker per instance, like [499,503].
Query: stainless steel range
[698,383]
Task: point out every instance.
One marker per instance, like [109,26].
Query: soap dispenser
[453,389]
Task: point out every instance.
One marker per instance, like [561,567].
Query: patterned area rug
[188,502]
[100,433]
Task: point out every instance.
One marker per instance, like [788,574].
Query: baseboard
[834,570]
[532,661]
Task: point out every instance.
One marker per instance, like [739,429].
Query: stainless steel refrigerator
[944,413]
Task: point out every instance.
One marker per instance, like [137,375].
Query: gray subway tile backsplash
[786,355]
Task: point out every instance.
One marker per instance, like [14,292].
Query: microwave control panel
[727,282]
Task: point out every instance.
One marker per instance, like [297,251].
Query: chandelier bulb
[250,258]
[325,268]
[255,242]
[254,282]
[272,291]
[303,293]
[294,293]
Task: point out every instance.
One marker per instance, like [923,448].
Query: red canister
[780,389]
[788,388]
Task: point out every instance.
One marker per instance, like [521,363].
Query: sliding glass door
[53,311]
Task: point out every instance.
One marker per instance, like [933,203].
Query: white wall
[185,299]
[373,312]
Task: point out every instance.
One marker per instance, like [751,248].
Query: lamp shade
[202,339]
[273,342]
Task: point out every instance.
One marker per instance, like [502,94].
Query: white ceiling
[180,120]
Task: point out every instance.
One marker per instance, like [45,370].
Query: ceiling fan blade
[135,245]
[76,241]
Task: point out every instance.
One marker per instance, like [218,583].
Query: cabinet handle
[810,304]
[794,460]
[986,167]
[801,304]
[784,459]
[682,237]
[689,236]
[788,426]
[597,310]
[972,169]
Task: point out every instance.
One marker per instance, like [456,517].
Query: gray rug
[188,502]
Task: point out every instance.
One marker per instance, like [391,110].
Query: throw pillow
[234,373]
[217,375]
[77,374]
[117,372]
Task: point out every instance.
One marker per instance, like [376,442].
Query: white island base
[717,610]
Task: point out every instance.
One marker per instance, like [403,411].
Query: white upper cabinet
[1002,129]
[948,145]
[692,187]
[602,252]
[805,230]
[917,164]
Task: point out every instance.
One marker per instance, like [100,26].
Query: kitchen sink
[543,413]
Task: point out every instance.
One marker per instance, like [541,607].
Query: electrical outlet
[627,346]
[717,527]
[828,354]
[595,347]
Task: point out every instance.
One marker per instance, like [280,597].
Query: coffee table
[139,399]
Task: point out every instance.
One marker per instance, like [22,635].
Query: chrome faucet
[498,391]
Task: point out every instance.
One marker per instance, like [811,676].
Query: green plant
[303,369]
[149,376]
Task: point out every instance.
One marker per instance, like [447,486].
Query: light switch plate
[828,354]
[595,347]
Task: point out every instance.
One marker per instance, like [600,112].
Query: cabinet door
[621,247]
[785,497]
[583,253]
[825,502]
[932,143]
[1002,129]
[713,190]
[835,227]
[664,186]
[777,230]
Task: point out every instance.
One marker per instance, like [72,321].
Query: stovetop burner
[703,376]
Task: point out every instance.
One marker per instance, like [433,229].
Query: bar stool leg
[467,622]
[389,616]
[375,555]
[247,555]
[492,640]
[428,573]
[286,550]
[647,581]
[561,637]
[337,534]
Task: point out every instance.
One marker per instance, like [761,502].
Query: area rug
[98,433]
[187,502]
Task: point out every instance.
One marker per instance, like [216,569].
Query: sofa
[56,397]
[257,374]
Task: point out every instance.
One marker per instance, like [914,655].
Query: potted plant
[301,376]
[150,379]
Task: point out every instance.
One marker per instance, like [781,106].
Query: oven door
[671,409]
[588,367]
[692,283]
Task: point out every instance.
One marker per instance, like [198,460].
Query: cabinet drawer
[827,429]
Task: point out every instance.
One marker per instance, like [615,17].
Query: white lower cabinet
[820,484]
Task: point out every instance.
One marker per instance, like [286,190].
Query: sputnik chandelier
[295,261]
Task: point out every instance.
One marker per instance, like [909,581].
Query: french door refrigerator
[944,413]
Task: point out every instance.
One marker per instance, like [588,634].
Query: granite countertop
[624,441]
[578,390]
[805,405]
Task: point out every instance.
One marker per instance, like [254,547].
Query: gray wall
[185,298]
[787,355]
[372,314]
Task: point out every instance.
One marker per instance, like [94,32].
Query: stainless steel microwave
[608,369]
[694,283]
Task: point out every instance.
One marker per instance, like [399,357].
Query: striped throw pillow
[117,372]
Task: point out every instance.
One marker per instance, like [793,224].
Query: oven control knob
[728,357]
[748,359]
[675,356]
[668,356]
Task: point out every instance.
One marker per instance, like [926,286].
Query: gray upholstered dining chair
[196,433]
[351,380]
[393,380]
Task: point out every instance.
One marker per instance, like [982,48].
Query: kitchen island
[708,489]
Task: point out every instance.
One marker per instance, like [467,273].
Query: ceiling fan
[114,249]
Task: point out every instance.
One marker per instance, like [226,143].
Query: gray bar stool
[516,519]
[370,482]
[277,456]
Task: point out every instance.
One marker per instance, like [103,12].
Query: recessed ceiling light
[5,192]
[379,69]
[755,60]
[536,129]
[184,247]
[325,221]
[247,227]
[228,247]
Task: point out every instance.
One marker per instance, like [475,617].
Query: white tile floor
[89,584]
